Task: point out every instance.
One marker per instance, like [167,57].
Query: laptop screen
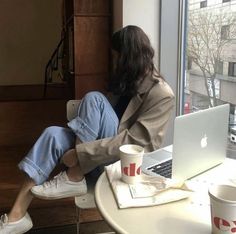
[200,140]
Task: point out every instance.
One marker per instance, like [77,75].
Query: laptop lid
[199,142]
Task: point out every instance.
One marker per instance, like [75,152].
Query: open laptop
[199,144]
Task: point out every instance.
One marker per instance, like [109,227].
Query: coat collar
[137,100]
[146,84]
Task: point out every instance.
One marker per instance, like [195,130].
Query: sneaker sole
[57,197]
[26,230]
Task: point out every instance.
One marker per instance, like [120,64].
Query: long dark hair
[135,60]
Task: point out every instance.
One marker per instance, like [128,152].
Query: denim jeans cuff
[33,171]
[82,130]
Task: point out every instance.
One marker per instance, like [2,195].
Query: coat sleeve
[148,131]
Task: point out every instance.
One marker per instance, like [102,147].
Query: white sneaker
[60,187]
[18,227]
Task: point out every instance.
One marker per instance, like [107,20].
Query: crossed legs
[57,144]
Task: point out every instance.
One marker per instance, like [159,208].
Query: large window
[210,46]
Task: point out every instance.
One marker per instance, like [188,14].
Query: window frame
[172,50]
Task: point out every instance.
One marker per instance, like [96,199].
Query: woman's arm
[147,129]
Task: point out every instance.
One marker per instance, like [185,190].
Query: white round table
[182,217]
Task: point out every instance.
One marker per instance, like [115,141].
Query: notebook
[199,143]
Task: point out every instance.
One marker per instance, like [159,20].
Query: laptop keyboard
[163,169]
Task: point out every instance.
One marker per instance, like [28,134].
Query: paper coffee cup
[131,158]
[223,209]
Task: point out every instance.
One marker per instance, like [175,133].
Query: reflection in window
[219,67]
[211,45]
[225,32]
[190,62]
[211,51]
[232,69]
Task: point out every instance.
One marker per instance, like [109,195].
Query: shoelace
[55,181]
[3,220]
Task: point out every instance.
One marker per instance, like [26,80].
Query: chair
[71,109]
[86,201]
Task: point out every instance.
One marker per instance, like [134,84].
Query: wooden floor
[20,125]
[85,228]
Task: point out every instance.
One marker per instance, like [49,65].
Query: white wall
[143,13]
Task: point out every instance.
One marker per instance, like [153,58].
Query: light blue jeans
[96,119]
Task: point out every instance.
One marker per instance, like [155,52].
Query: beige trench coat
[144,122]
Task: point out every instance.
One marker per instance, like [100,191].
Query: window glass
[232,69]
[210,64]
[225,32]
[203,4]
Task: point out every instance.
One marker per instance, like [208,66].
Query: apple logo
[204,141]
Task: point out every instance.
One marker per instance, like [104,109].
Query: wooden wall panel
[91,36]
[92,30]
[22,122]
[88,83]
[36,92]
[91,7]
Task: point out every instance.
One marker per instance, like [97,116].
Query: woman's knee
[59,134]
[52,131]
[94,96]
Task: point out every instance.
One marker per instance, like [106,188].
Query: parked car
[232,134]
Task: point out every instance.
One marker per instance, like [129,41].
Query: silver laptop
[199,143]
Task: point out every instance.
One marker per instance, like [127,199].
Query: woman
[137,113]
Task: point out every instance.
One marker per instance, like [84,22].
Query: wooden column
[92,20]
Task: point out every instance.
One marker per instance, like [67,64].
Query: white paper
[151,191]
